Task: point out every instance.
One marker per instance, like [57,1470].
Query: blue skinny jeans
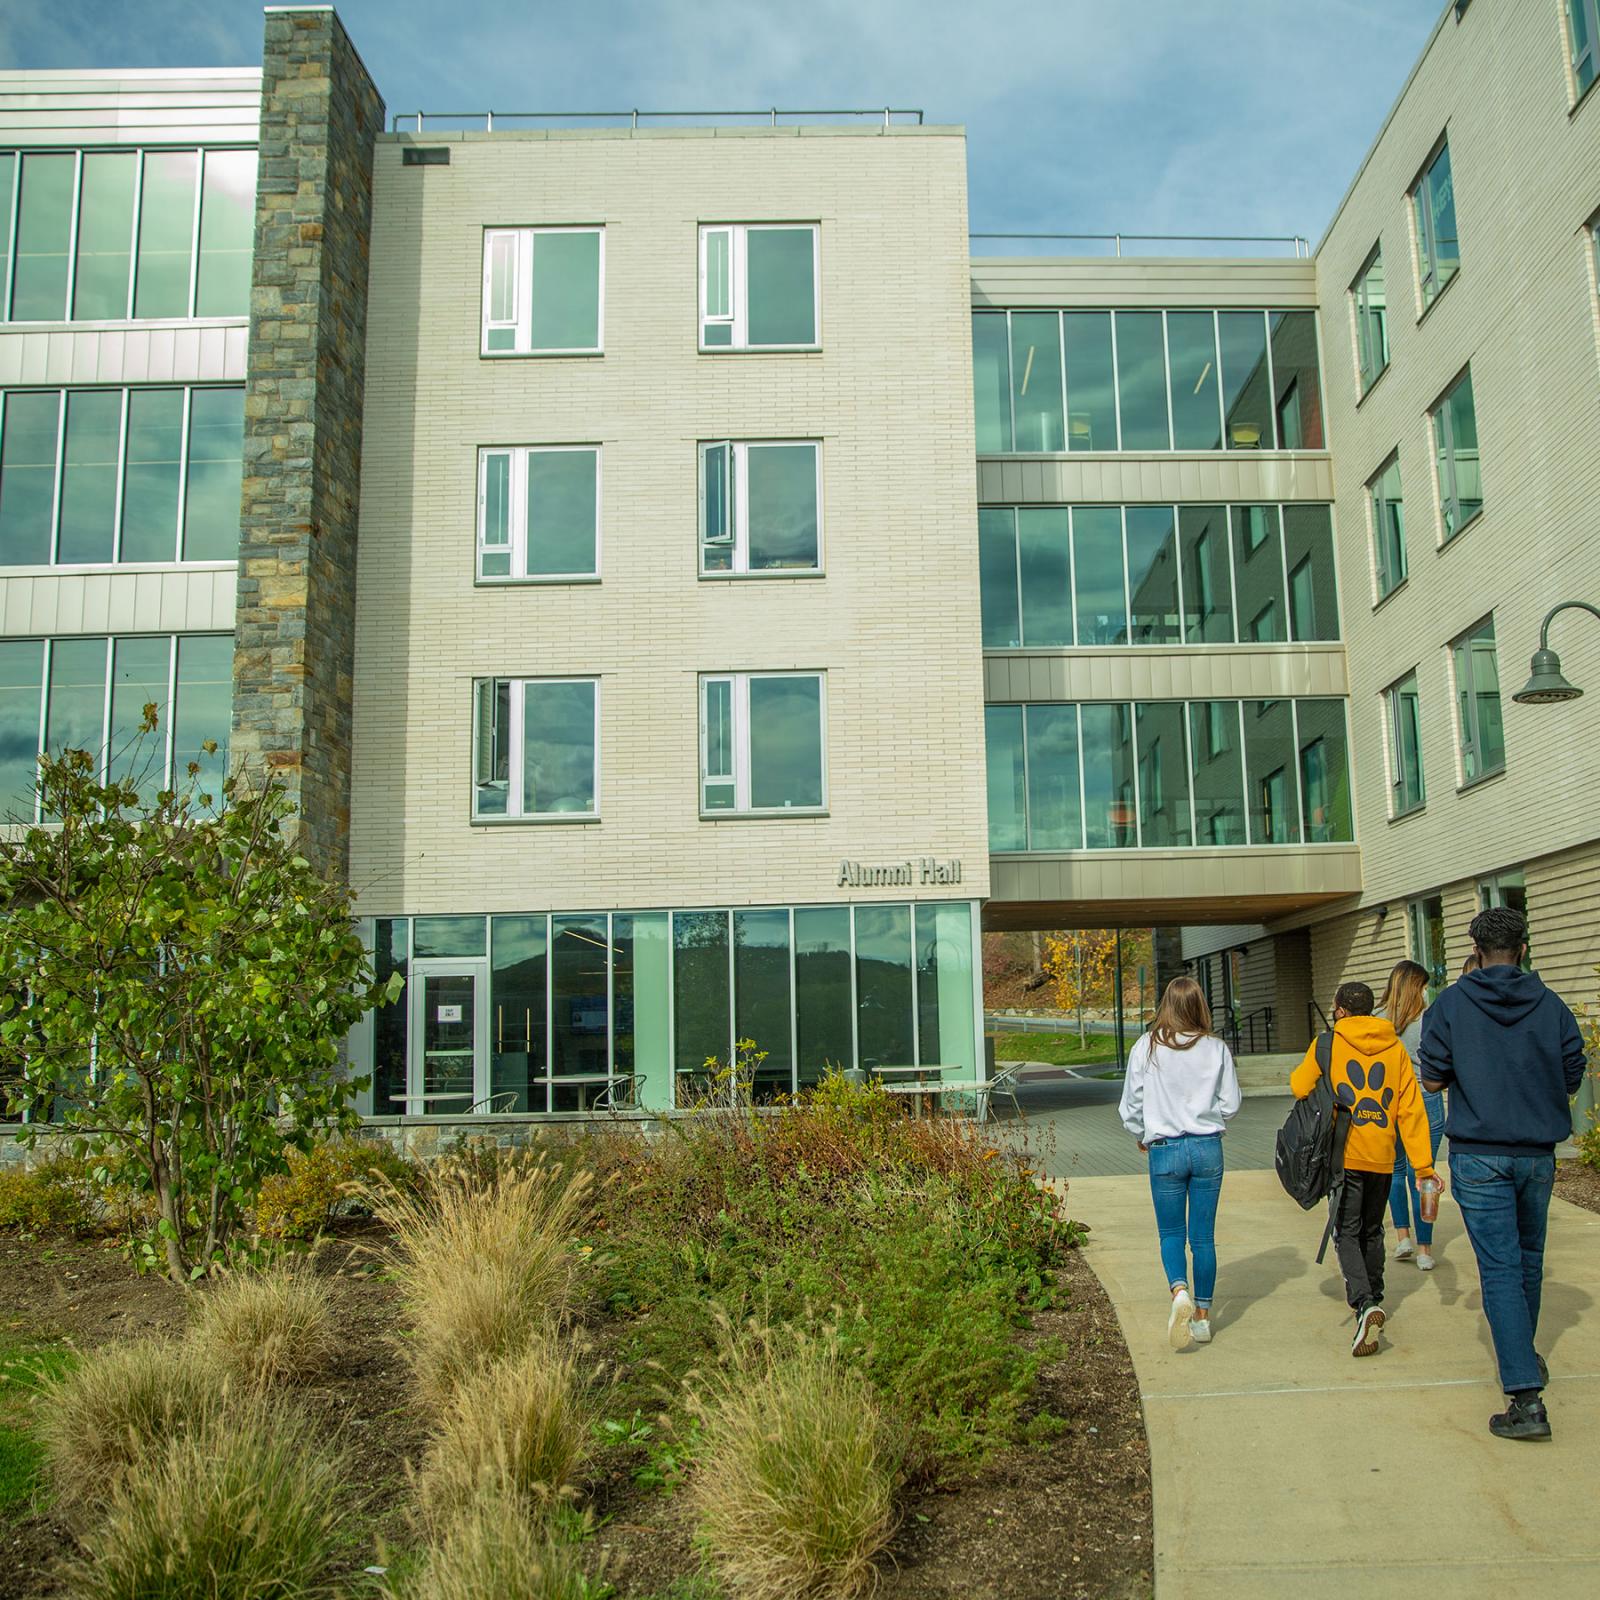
[1405,1204]
[1185,1183]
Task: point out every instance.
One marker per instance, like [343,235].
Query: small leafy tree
[174,984]
[1079,962]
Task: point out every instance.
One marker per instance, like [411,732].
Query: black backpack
[1310,1149]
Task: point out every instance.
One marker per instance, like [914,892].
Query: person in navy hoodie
[1510,1053]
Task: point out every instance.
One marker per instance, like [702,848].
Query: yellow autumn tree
[1079,962]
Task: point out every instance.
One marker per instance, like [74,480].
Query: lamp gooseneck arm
[1555,611]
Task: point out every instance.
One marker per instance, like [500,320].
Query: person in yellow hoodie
[1374,1083]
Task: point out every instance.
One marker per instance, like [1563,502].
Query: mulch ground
[1579,1184]
[1069,1521]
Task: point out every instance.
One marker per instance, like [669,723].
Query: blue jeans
[1505,1203]
[1185,1183]
[1404,1201]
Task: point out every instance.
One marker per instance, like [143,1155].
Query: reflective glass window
[166,233]
[1036,399]
[701,1013]
[44,238]
[1108,766]
[1218,771]
[1163,757]
[518,975]
[885,1009]
[781,487]
[1007,781]
[782,286]
[1142,381]
[1325,811]
[28,476]
[824,1006]
[1246,379]
[997,578]
[1100,587]
[1258,574]
[449,936]
[105,235]
[227,233]
[1269,753]
[1044,558]
[1152,575]
[1479,726]
[564,308]
[21,674]
[1091,382]
[1054,808]
[211,502]
[1434,210]
[203,713]
[1196,403]
[1406,788]
[140,674]
[1583,34]
[1296,380]
[946,1035]
[641,1004]
[991,381]
[1207,576]
[75,713]
[1388,528]
[580,1007]
[391,953]
[563,512]
[1308,552]
[1371,304]
[761,995]
[89,476]
[1455,440]
[785,741]
[558,756]
[152,476]
[8,193]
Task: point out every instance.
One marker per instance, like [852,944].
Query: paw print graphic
[1372,1107]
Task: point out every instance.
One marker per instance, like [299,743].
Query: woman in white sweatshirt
[1180,1091]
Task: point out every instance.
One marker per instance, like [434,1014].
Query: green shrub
[324,1183]
[1588,1143]
[493,1551]
[264,1328]
[252,1504]
[54,1196]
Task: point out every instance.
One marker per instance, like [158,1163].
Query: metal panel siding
[118,108]
[172,600]
[1142,281]
[1131,479]
[1216,672]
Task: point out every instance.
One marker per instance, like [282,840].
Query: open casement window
[543,291]
[1371,305]
[1455,440]
[1583,35]
[758,287]
[760,508]
[761,743]
[1433,203]
[1406,789]
[1479,726]
[1388,528]
[536,748]
[539,513]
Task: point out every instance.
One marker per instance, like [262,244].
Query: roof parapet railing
[1302,247]
[771,113]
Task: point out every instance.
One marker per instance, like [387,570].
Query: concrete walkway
[1283,1467]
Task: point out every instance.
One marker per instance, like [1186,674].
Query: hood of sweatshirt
[1369,1036]
[1504,994]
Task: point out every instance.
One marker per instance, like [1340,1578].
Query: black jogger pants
[1360,1205]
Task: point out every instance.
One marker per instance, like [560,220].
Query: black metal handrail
[1239,1029]
[1316,1018]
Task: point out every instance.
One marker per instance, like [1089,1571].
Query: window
[1478,720]
[1508,889]
[1583,33]
[536,748]
[1433,203]
[1372,321]
[1455,443]
[101,476]
[1388,528]
[1425,935]
[760,508]
[543,291]
[761,743]
[105,235]
[539,512]
[1194,385]
[758,286]
[1308,554]
[1406,791]
[1296,381]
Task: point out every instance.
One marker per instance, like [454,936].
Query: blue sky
[1145,116]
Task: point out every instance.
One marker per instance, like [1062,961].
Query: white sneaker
[1404,1250]
[1180,1320]
[1200,1330]
[1425,1259]
[1368,1326]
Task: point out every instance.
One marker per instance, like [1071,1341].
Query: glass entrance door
[448,1066]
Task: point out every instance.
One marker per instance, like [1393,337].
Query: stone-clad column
[295,627]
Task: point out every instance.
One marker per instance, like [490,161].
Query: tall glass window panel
[152,476]
[1246,380]
[21,672]
[559,755]
[762,1007]
[75,710]
[719,777]
[997,578]
[702,1015]
[1583,32]
[450,936]
[1207,574]
[781,268]
[211,500]
[1434,209]
[564,309]
[1258,574]
[1036,398]
[1109,816]
[503,253]
[1054,806]
[1388,529]
[1269,758]
[166,233]
[946,1034]
[1100,588]
[1196,406]
[1406,788]
[1371,305]
[580,954]
[518,1013]
[105,235]
[641,1007]
[1308,551]
[1296,380]
[203,713]
[785,742]
[885,1007]
[140,672]
[782,499]
[1325,810]
[1007,778]
[1152,575]
[390,954]
[1478,711]
[1455,440]
[991,381]
[1217,767]
[89,476]
[1425,920]
[1044,557]
[1163,759]
[1142,381]
[563,512]
[824,1007]
[8,194]
[495,516]
[44,238]
[227,233]
[28,476]
[1091,381]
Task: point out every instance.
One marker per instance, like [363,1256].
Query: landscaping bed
[1579,1182]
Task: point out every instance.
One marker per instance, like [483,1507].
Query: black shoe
[1544,1371]
[1524,1418]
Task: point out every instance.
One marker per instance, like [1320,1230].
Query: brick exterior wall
[295,628]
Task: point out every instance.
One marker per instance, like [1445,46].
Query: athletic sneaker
[1425,1259]
[1368,1325]
[1524,1418]
[1404,1250]
[1180,1320]
[1200,1330]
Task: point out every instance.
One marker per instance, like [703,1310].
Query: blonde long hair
[1406,997]
[1182,1017]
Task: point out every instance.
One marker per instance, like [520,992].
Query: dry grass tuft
[494,1551]
[485,1265]
[263,1328]
[795,1491]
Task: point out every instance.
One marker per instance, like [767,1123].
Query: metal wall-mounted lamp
[1546,686]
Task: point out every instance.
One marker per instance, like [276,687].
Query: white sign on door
[449,1013]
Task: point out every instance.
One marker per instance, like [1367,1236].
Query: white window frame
[1424,229]
[737,316]
[1468,733]
[1391,711]
[1440,421]
[525,243]
[740,702]
[1377,511]
[517,512]
[1591,10]
[735,526]
[1363,313]
[516,734]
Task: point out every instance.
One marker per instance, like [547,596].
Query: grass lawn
[1056,1049]
[20,1455]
